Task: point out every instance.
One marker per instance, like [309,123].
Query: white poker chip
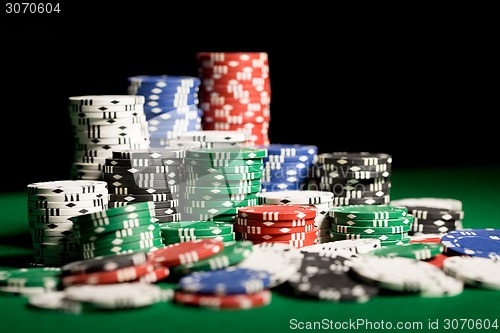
[280,260]
[475,271]
[55,301]
[107,100]
[61,187]
[406,275]
[213,136]
[438,203]
[119,295]
[360,246]
[296,197]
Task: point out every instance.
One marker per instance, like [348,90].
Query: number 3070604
[32,8]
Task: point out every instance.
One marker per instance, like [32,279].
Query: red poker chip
[235,112]
[186,252]
[125,274]
[273,224]
[235,108]
[259,230]
[232,58]
[426,240]
[225,72]
[280,237]
[437,260]
[215,99]
[236,120]
[158,274]
[278,212]
[235,89]
[248,128]
[238,301]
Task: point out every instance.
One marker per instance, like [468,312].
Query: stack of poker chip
[153,174]
[389,224]
[433,215]
[288,224]
[287,166]
[171,105]
[51,205]
[219,181]
[186,231]
[235,93]
[101,124]
[321,200]
[118,230]
[356,178]
[208,139]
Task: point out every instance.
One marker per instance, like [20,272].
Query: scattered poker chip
[360,246]
[418,251]
[231,254]
[227,281]
[22,280]
[368,212]
[426,238]
[277,212]
[406,275]
[185,253]
[104,264]
[280,260]
[472,242]
[227,302]
[328,278]
[124,274]
[474,271]
[437,260]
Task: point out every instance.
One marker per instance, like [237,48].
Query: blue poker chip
[291,150]
[306,159]
[473,242]
[228,281]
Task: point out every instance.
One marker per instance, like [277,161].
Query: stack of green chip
[389,224]
[118,230]
[219,180]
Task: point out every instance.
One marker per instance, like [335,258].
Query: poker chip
[277,212]
[368,212]
[418,251]
[125,274]
[478,272]
[227,302]
[227,281]
[280,260]
[472,242]
[186,252]
[355,245]
[406,275]
[328,278]
[101,124]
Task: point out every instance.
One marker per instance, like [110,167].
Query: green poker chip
[204,170]
[401,221]
[195,228]
[382,238]
[120,233]
[370,230]
[418,251]
[181,239]
[229,153]
[135,246]
[232,254]
[45,277]
[376,212]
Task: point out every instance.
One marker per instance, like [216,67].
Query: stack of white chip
[321,200]
[101,124]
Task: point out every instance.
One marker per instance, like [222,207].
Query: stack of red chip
[235,93]
[288,224]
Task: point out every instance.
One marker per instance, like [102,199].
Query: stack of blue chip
[287,166]
[171,105]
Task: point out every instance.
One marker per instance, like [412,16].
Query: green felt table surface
[477,188]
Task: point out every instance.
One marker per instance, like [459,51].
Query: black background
[418,84]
